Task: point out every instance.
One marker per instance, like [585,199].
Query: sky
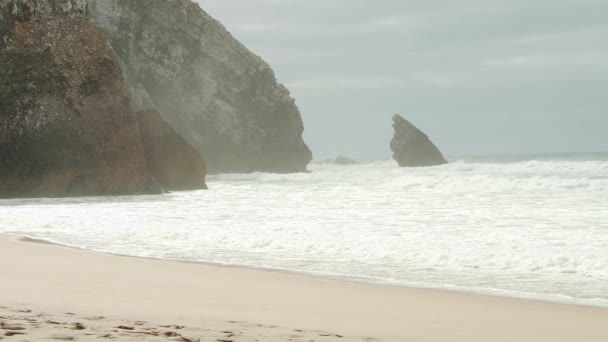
[478,76]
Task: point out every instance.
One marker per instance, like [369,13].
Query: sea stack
[66,125]
[218,95]
[411,147]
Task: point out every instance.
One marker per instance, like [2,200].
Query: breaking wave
[537,229]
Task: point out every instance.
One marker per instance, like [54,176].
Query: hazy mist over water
[525,157]
[479,77]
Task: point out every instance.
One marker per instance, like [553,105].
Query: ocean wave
[458,176]
[531,227]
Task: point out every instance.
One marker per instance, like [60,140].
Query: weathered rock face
[41,9]
[411,147]
[66,126]
[174,163]
[221,97]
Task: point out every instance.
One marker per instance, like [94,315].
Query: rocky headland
[217,94]
[112,97]
[411,147]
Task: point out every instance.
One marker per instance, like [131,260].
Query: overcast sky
[478,76]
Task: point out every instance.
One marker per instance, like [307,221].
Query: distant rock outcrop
[66,126]
[221,97]
[411,147]
[341,160]
[174,163]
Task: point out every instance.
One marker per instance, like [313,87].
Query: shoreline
[498,293]
[61,280]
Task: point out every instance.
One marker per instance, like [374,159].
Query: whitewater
[520,228]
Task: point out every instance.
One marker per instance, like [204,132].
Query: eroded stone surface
[217,94]
[66,126]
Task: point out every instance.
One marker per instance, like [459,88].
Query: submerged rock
[66,126]
[174,163]
[411,147]
[221,97]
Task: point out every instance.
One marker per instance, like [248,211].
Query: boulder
[174,163]
[218,95]
[411,147]
[66,125]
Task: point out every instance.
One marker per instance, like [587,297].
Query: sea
[525,226]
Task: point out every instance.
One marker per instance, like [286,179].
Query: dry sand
[50,292]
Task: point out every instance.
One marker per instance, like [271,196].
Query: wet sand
[50,292]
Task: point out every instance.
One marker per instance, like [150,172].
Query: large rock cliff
[174,163]
[411,147]
[66,126]
[221,97]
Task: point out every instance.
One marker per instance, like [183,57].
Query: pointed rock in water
[66,126]
[411,147]
[174,163]
[218,95]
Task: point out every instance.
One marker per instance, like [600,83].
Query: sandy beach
[51,292]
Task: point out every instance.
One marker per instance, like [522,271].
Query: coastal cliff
[66,125]
[411,147]
[174,163]
[218,95]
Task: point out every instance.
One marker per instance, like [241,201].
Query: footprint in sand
[177,327]
[78,326]
[11,327]
[186,339]
[124,327]
[22,311]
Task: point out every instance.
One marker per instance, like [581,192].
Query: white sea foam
[537,229]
